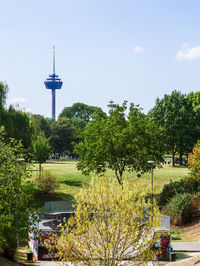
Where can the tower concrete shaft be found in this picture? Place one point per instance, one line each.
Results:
(53, 83)
(53, 104)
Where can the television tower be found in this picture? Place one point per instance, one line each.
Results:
(53, 83)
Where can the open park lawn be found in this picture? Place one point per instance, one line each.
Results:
(71, 180)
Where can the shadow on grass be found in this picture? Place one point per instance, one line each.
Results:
(181, 256)
(73, 183)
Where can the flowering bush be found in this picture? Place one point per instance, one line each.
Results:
(194, 162)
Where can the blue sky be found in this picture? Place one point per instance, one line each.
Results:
(135, 50)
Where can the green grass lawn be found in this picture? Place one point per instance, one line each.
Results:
(71, 180)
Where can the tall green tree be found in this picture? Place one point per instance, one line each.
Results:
(174, 114)
(62, 136)
(80, 111)
(79, 115)
(16, 191)
(194, 100)
(119, 142)
(3, 95)
(41, 124)
(41, 150)
(17, 125)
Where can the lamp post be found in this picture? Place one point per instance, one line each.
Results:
(151, 163)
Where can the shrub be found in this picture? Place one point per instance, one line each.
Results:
(186, 185)
(194, 161)
(47, 182)
(179, 208)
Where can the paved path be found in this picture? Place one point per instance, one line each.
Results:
(186, 246)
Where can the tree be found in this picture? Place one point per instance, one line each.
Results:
(194, 162)
(79, 114)
(194, 100)
(17, 125)
(16, 201)
(174, 114)
(111, 226)
(3, 94)
(119, 143)
(79, 111)
(62, 135)
(41, 150)
(41, 124)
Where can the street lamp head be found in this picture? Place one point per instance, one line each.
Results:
(150, 162)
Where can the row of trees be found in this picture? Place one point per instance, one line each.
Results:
(178, 115)
(175, 119)
(30, 127)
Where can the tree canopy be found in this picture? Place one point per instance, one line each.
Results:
(119, 142)
(79, 111)
(3, 95)
(79, 115)
(175, 115)
(62, 135)
(41, 124)
(17, 125)
(41, 150)
(16, 192)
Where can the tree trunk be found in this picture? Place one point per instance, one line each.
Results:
(173, 159)
(118, 178)
(40, 170)
(180, 159)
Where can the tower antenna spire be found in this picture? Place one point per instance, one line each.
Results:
(53, 83)
(53, 59)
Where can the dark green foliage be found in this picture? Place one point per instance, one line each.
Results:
(16, 196)
(175, 115)
(62, 135)
(17, 125)
(47, 183)
(186, 185)
(3, 94)
(41, 125)
(81, 112)
(179, 208)
(41, 149)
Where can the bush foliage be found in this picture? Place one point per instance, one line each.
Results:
(47, 183)
(179, 208)
(186, 185)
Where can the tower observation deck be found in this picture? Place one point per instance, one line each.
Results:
(53, 83)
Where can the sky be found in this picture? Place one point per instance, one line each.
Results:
(134, 50)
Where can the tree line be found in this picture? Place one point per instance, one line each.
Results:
(174, 120)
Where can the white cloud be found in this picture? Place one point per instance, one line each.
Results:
(17, 100)
(188, 53)
(138, 49)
